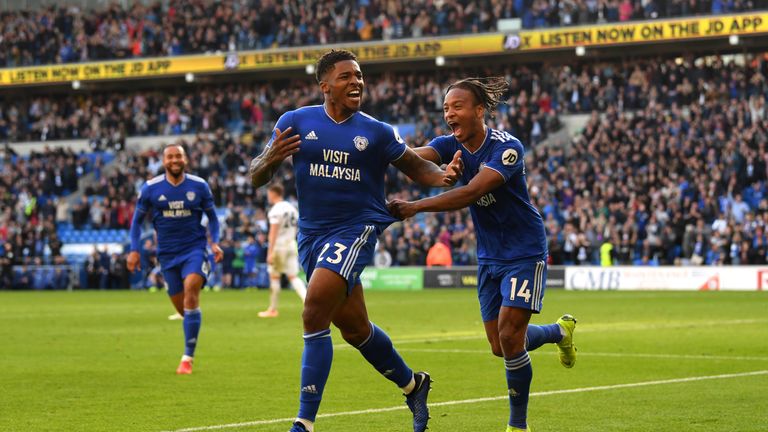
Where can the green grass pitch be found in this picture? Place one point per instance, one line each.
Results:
(648, 361)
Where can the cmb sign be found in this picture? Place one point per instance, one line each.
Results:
(690, 278)
(592, 278)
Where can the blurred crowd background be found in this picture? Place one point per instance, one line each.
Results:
(669, 169)
(64, 33)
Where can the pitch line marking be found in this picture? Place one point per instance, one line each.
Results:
(485, 399)
(596, 354)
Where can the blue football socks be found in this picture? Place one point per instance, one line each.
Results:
(537, 336)
(380, 353)
(192, 320)
(519, 376)
(315, 367)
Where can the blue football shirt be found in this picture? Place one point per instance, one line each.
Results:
(177, 212)
(509, 228)
(340, 167)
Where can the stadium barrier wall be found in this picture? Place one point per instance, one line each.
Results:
(693, 278)
(574, 278)
(466, 277)
(43, 277)
(393, 278)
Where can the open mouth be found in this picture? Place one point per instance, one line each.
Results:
(455, 127)
(355, 95)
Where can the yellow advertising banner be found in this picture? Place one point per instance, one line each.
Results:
(160, 66)
(425, 49)
(641, 32)
(248, 60)
(291, 58)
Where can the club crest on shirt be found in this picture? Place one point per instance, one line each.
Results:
(191, 196)
(361, 142)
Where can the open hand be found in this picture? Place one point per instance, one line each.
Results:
(454, 170)
(283, 145)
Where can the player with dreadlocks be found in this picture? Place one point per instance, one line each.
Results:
(512, 244)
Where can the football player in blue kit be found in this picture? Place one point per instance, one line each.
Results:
(340, 156)
(177, 202)
(511, 241)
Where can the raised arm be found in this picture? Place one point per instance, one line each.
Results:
(424, 171)
(484, 182)
(263, 166)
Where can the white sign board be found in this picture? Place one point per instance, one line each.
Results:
(737, 278)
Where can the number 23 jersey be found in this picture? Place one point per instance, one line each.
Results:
(340, 168)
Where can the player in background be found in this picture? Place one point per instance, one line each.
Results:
(177, 202)
(512, 246)
(340, 156)
(282, 255)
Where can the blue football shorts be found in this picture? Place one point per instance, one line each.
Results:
(345, 251)
(177, 267)
(519, 285)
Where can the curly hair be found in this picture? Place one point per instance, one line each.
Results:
(327, 61)
(488, 91)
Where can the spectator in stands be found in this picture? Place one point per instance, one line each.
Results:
(238, 265)
(118, 272)
(148, 262)
(6, 265)
(228, 248)
(382, 257)
(22, 278)
(439, 255)
(251, 253)
(81, 213)
(93, 269)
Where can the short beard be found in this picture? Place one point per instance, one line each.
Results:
(174, 175)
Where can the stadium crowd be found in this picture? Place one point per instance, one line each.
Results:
(32, 193)
(68, 33)
(673, 172)
(409, 97)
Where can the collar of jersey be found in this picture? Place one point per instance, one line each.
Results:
(329, 116)
(165, 177)
(487, 134)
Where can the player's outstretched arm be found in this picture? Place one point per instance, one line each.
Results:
(426, 173)
(264, 165)
(484, 182)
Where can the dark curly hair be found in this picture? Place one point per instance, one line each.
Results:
(487, 91)
(327, 61)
